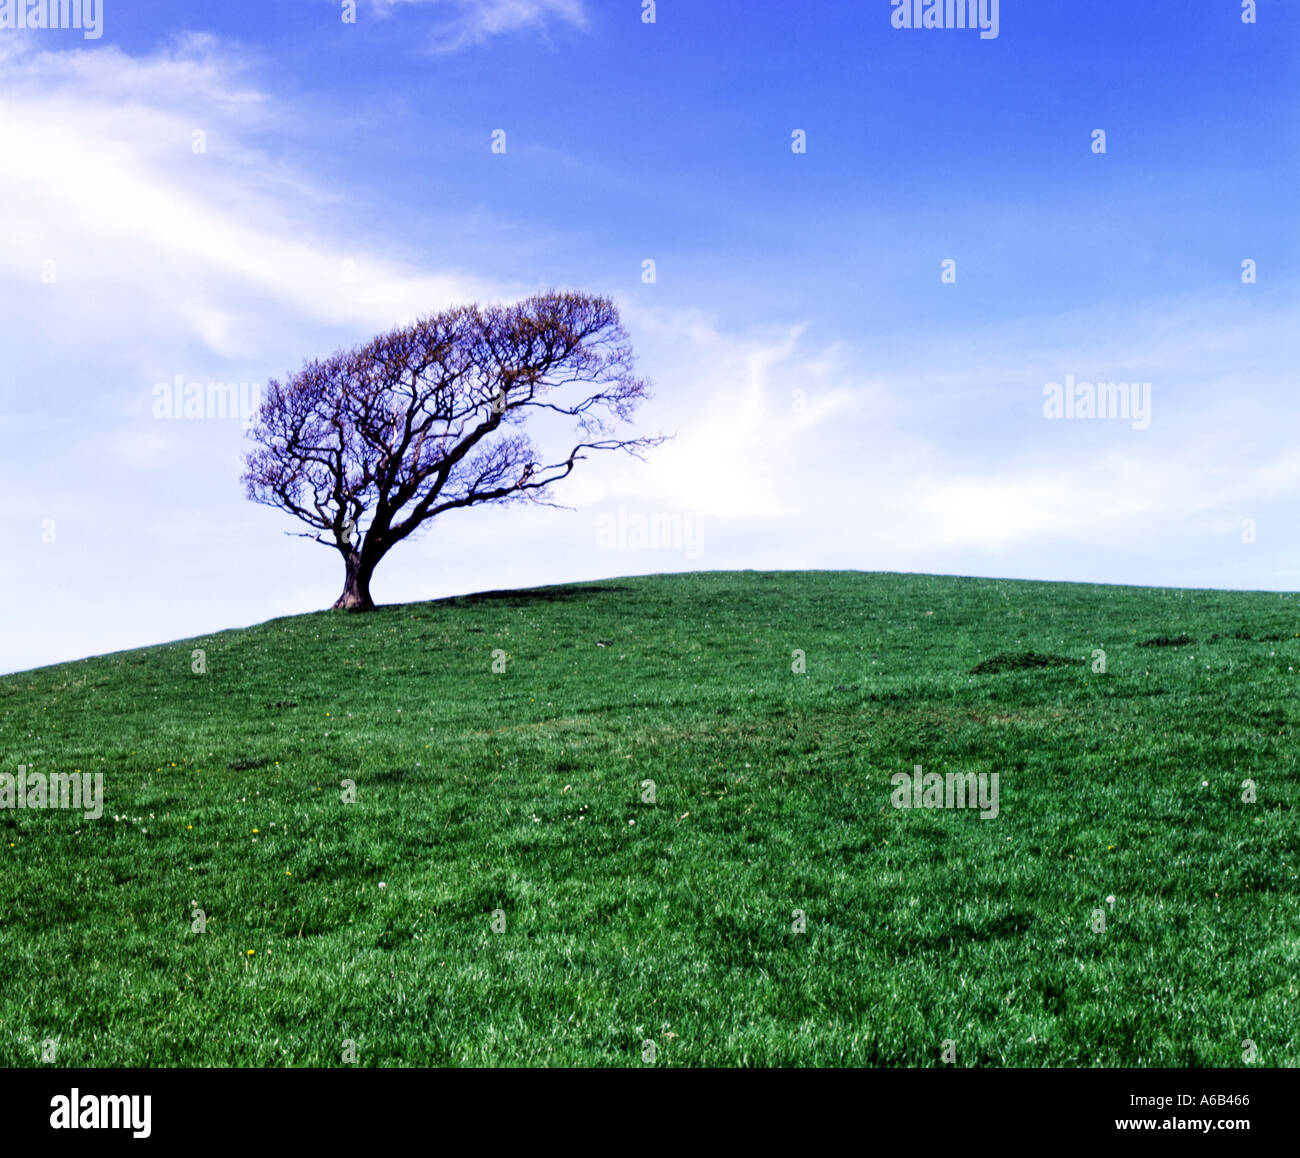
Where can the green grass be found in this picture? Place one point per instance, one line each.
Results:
(673, 921)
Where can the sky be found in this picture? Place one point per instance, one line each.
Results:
(874, 249)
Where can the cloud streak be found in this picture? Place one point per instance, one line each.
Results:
(127, 202)
(469, 23)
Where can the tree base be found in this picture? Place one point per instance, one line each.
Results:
(352, 602)
(356, 584)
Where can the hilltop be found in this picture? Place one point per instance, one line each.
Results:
(770, 907)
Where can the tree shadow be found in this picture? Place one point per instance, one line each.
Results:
(529, 596)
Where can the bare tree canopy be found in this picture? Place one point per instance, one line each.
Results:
(370, 444)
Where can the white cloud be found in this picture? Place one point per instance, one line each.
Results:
(474, 22)
(743, 409)
(140, 447)
(96, 147)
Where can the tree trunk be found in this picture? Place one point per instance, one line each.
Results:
(356, 583)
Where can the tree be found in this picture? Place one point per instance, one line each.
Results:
(370, 444)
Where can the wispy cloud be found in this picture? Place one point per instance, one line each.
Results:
(466, 23)
(100, 149)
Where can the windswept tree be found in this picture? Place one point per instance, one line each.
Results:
(368, 445)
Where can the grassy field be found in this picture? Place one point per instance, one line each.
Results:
(674, 921)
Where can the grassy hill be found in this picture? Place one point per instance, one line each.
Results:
(672, 922)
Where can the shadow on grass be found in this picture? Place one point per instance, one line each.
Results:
(526, 597)
(1020, 661)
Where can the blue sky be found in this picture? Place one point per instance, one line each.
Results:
(835, 403)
